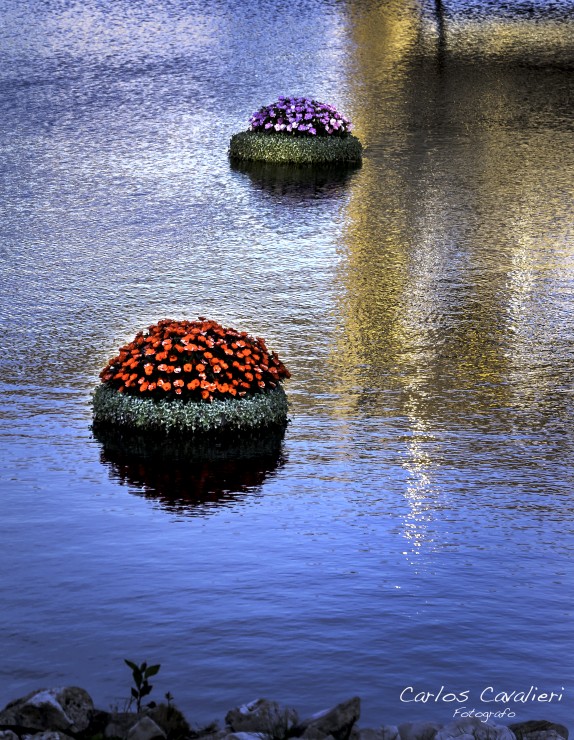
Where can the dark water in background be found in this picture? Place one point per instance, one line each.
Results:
(414, 527)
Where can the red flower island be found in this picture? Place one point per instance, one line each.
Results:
(192, 377)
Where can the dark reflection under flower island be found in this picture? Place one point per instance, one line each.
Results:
(191, 477)
(296, 182)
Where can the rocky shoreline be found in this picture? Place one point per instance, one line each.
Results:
(69, 714)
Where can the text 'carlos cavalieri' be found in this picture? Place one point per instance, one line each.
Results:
(488, 695)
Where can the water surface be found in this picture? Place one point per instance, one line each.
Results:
(414, 526)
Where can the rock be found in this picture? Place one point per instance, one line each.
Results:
(418, 730)
(539, 730)
(120, 724)
(246, 736)
(212, 734)
(262, 716)
(146, 729)
(67, 709)
(8, 735)
(337, 722)
(390, 732)
(475, 729)
(48, 735)
(387, 732)
(170, 720)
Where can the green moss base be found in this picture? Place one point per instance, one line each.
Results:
(253, 146)
(192, 418)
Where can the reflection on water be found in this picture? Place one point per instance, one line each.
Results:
(191, 477)
(298, 183)
(459, 263)
(418, 527)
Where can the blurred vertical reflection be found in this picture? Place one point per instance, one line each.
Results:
(457, 269)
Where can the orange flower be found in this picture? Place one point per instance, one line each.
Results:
(160, 346)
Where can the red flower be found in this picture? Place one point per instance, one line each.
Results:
(218, 362)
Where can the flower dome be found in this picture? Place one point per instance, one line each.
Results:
(300, 117)
(297, 130)
(192, 376)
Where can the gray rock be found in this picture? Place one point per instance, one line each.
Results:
(213, 735)
(47, 735)
(337, 721)
(68, 708)
(146, 729)
(120, 723)
(262, 716)
(419, 730)
(8, 735)
(388, 732)
(246, 736)
(539, 730)
(475, 729)
(544, 735)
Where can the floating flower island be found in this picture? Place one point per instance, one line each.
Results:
(297, 131)
(192, 378)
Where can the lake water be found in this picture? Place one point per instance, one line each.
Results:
(414, 528)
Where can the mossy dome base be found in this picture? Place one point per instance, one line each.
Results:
(252, 146)
(229, 417)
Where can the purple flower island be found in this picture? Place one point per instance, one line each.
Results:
(300, 117)
(297, 130)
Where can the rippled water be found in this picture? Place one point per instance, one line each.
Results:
(414, 526)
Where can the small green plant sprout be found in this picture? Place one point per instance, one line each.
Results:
(141, 674)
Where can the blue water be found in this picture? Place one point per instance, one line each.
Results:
(414, 526)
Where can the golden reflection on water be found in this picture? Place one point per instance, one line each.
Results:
(457, 256)
(457, 261)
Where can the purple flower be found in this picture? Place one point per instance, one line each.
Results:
(300, 116)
